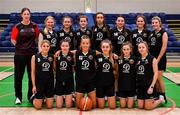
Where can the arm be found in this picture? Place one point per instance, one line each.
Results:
(14, 35)
(54, 64)
(164, 46)
(33, 70)
(40, 39)
(155, 70)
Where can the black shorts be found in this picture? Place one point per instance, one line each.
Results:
(162, 64)
(126, 94)
(84, 88)
(45, 89)
(64, 87)
(102, 91)
(142, 94)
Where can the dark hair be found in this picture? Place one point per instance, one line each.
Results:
(109, 42)
(64, 40)
(82, 16)
(144, 18)
(120, 16)
(24, 9)
(124, 44)
(103, 16)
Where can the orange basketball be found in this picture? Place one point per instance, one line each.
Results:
(85, 104)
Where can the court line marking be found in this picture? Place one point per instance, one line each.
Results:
(6, 69)
(171, 109)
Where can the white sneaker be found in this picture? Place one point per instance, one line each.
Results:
(161, 97)
(18, 101)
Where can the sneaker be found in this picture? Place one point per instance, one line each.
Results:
(17, 101)
(161, 97)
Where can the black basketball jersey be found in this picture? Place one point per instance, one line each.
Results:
(119, 37)
(139, 37)
(85, 66)
(44, 67)
(70, 36)
(155, 42)
(104, 74)
(127, 73)
(79, 34)
(144, 71)
(99, 34)
(52, 37)
(64, 67)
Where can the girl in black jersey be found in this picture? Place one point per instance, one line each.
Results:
(120, 34)
(64, 75)
(140, 34)
(100, 31)
(67, 32)
(42, 76)
(49, 34)
(147, 74)
(105, 77)
(83, 30)
(158, 44)
(127, 77)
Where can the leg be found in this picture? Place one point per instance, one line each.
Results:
(101, 103)
(49, 103)
(92, 96)
(68, 101)
(59, 101)
(112, 102)
(161, 84)
(28, 62)
(140, 103)
(37, 103)
(19, 71)
(79, 96)
(130, 102)
(122, 102)
(151, 104)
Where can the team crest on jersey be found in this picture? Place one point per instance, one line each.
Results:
(71, 34)
(80, 57)
(38, 59)
(85, 65)
(90, 57)
(144, 35)
(134, 35)
(99, 36)
(45, 66)
(153, 41)
(87, 32)
(106, 67)
(126, 68)
(68, 38)
(138, 40)
(125, 34)
(53, 42)
(50, 59)
(131, 61)
(100, 59)
(48, 36)
(158, 35)
(61, 34)
(141, 70)
(104, 29)
(146, 61)
(63, 65)
(68, 58)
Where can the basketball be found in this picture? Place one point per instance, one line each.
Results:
(85, 104)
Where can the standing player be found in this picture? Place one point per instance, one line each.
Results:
(49, 34)
(42, 76)
(140, 34)
(147, 74)
(100, 31)
(67, 32)
(23, 37)
(120, 34)
(127, 77)
(85, 71)
(158, 45)
(83, 30)
(64, 75)
(105, 76)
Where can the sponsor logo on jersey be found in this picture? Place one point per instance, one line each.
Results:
(53, 42)
(131, 61)
(71, 34)
(78, 33)
(153, 41)
(104, 29)
(134, 35)
(87, 32)
(138, 40)
(116, 34)
(99, 36)
(158, 35)
(69, 58)
(145, 35)
(121, 39)
(85, 65)
(100, 59)
(146, 61)
(140, 70)
(120, 61)
(68, 38)
(61, 34)
(45, 66)
(90, 57)
(48, 36)
(106, 67)
(63, 65)
(80, 57)
(50, 59)
(126, 68)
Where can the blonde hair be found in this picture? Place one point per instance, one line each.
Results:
(47, 18)
(145, 43)
(157, 18)
(45, 41)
